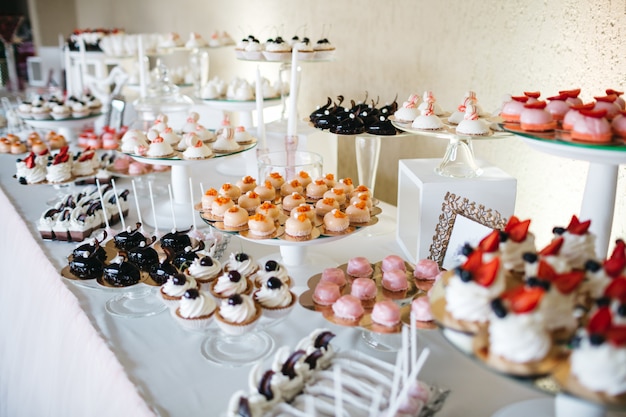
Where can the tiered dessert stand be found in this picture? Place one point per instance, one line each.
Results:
(66, 127)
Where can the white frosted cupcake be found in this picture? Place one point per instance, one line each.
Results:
(204, 270)
(275, 298)
(238, 314)
(195, 310)
(174, 288)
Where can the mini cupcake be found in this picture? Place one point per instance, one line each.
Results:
(275, 298)
(195, 310)
(230, 283)
(238, 314)
(173, 290)
(204, 269)
(272, 269)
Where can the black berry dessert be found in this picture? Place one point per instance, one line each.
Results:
(91, 248)
(177, 240)
(185, 257)
(121, 273)
(129, 238)
(383, 127)
(144, 255)
(160, 272)
(351, 125)
(319, 111)
(87, 260)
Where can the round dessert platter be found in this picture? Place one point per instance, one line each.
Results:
(550, 376)
(458, 160)
(180, 173)
(66, 127)
(600, 189)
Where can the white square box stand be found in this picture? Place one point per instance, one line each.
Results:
(421, 192)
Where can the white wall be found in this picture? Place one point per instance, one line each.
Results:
(399, 47)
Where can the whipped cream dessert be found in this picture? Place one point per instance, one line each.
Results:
(196, 304)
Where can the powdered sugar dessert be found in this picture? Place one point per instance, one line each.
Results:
(348, 307)
(195, 310)
(238, 314)
(386, 313)
(359, 267)
(408, 111)
(471, 123)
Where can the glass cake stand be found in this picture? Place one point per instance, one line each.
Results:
(66, 127)
(458, 160)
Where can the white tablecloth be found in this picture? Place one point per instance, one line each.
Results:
(62, 354)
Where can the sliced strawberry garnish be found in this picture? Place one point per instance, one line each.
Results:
(513, 220)
(30, 161)
(491, 242)
(86, 156)
(44, 152)
(588, 106)
(486, 274)
(616, 335)
(569, 281)
(576, 227)
(532, 94)
(521, 99)
(545, 271)
(609, 98)
(571, 93)
(536, 105)
(610, 91)
(596, 114)
(474, 260)
(519, 231)
(553, 247)
(614, 266)
(561, 97)
(523, 299)
(600, 322)
(616, 289)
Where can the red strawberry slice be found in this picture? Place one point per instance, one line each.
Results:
(536, 105)
(620, 249)
(474, 261)
(532, 94)
(600, 322)
(523, 299)
(545, 271)
(86, 156)
(609, 98)
(569, 281)
(43, 153)
(616, 289)
(561, 97)
(616, 335)
(491, 242)
(576, 227)
(610, 91)
(518, 232)
(30, 161)
(571, 93)
(615, 264)
(486, 274)
(553, 247)
(513, 220)
(521, 99)
(588, 106)
(595, 114)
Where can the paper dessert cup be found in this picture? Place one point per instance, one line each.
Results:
(278, 312)
(238, 329)
(195, 323)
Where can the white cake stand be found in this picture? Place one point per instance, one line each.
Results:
(180, 173)
(65, 127)
(599, 196)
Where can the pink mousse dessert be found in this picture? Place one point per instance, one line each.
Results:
(425, 273)
(386, 313)
(536, 118)
(363, 289)
(395, 280)
(619, 124)
(359, 267)
(392, 262)
(512, 109)
(334, 275)
(557, 106)
(420, 308)
(348, 307)
(326, 293)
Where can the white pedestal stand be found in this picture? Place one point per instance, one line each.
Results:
(599, 195)
(65, 127)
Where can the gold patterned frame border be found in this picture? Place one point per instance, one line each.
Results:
(453, 206)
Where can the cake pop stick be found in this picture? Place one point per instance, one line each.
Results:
(137, 203)
(413, 324)
(396, 375)
(119, 205)
(201, 189)
(193, 213)
(156, 226)
(104, 209)
(169, 189)
(395, 401)
(338, 391)
(405, 353)
(375, 404)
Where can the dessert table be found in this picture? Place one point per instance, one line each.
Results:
(62, 354)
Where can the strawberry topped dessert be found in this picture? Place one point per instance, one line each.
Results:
(578, 242)
(60, 168)
(514, 242)
(600, 274)
(512, 109)
(536, 118)
(572, 96)
(609, 104)
(557, 106)
(551, 254)
(593, 126)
